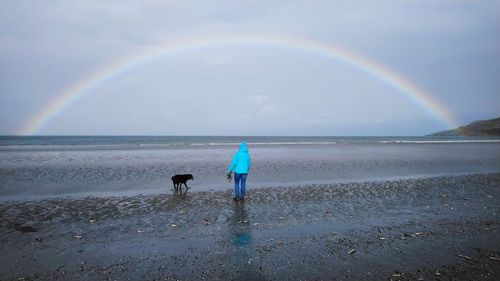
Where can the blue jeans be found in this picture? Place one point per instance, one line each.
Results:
(240, 193)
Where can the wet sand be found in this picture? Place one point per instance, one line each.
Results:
(437, 228)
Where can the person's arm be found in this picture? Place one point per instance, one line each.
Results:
(233, 163)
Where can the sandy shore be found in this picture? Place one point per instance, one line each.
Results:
(439, 228)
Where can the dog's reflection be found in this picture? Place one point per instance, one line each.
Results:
(179, 193)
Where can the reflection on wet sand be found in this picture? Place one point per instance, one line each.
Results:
(239, 226)
(242, 254)
(181, 194)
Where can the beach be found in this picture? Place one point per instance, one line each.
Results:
(431, 228)
(435, 218)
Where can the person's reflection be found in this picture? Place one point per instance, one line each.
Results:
(240, 227)
(241, 239)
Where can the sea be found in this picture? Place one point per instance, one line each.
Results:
(33, 167)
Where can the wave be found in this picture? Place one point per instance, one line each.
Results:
(440, 141)
(271, 143)
(133, 144)
(145, 146)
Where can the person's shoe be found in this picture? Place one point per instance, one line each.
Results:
(242, 199)
(236, 199)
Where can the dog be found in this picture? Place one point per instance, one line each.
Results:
(178, 180)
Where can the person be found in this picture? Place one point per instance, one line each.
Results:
(241, 166)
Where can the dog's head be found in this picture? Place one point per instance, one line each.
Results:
(190, 177)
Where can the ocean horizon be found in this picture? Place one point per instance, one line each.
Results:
(133, 140)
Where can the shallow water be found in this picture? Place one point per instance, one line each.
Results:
(75, 166)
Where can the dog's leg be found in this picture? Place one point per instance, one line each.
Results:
(176, 192)
(187, 187)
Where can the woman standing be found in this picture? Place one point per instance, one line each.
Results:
(240, 165)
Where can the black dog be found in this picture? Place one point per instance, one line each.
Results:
(178, 180)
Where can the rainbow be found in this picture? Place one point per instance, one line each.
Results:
(404, 87)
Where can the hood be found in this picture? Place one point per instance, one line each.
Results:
(243, 147)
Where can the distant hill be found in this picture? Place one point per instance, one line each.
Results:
(478, 128)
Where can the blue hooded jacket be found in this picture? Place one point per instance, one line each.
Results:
(241, 160)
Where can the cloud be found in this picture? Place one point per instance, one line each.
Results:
(263, 106)
(259, 99)
(219, 60)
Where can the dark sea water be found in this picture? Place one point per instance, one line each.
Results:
(32, 167)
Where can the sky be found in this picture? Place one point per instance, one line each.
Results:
(448, 49)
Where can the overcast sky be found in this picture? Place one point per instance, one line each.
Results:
(449, 48)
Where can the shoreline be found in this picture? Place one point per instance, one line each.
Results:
(168, 189)
(404, 229)
(107, 172)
